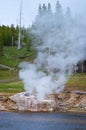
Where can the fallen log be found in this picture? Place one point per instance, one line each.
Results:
(6, 67)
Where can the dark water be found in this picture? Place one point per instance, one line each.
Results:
(42, 121)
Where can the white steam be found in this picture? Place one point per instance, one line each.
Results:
(61, 44)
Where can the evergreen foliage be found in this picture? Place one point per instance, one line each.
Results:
(49, 21)
(9, 36)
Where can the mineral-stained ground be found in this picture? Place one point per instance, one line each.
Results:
(74, 101)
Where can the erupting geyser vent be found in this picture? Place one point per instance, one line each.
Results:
(29, 102)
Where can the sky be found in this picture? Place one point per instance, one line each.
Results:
(9, 10)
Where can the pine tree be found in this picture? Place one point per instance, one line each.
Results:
(68, 18)
(44, 7)
(1, 41)
(68, 13)
(40, 9)
(12, 30)
(58, 7)
(59, 16)
(49, 10)
(49, 7)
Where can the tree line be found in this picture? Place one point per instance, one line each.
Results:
(9, 36)
(58, 25)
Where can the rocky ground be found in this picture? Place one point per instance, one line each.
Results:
(74, 101)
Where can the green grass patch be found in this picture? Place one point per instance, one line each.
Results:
(11, 56)
(12, 87)
(6, 74)
(77, 82)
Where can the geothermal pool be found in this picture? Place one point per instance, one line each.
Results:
(42, 121)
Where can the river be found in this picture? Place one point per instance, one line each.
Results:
(42, 121)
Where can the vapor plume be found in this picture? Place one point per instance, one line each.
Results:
(61, 44)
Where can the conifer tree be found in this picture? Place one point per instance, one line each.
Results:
(40, 9)
(1, 41)
(68, 13)
(49, 10)
(59, 16)
(68, 17)
(49, 7)
(58, 7)
(44, 7)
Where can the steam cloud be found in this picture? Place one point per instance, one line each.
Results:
(60, 43)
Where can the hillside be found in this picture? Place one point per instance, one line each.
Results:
(12, 56)
(9, 80)
(10, 84)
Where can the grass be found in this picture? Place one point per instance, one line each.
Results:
(77, 82)
(6, 74)
(11, 56)
(12, 87)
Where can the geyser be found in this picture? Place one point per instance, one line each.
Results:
(60, 43)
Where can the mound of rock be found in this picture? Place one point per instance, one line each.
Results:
(2, 107)
(61, 102)
(29, 102)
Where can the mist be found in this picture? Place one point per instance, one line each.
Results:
(60, 42)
